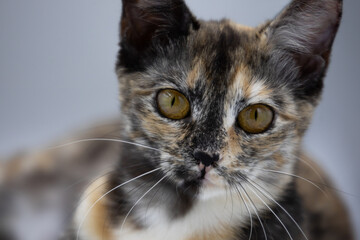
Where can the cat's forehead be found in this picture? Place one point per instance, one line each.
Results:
(220, 59)
(224, 28)
(227, 55)
(223, 42)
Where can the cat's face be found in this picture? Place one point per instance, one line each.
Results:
(214, 72)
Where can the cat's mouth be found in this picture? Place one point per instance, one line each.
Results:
(201, 178)
(200, 174)
(206, 178)
(200, 181)
(204, 170)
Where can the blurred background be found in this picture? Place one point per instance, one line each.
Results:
(57, 75)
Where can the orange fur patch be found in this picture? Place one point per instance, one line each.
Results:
(194, 74)
(95, 223)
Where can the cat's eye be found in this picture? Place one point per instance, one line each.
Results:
(173, 104)
(256, 118)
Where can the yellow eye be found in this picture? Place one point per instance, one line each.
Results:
(173, 104)
(256, 118)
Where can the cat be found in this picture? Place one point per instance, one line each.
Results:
(222, 109)
(213, 115)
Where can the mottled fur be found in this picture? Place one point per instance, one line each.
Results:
(221, 68)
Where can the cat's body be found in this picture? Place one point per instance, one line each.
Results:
(211, 175)
(219, 110)
(319, 213)
(323, 215)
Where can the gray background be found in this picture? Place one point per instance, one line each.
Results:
(57, 74)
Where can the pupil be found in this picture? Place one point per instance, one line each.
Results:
(256, 114)
(173, 101)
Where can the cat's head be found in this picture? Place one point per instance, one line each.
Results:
(222, 102)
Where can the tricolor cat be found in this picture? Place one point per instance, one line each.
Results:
(213, 115)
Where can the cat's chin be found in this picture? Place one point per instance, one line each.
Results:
(210, 191)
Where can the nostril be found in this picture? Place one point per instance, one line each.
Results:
(205, 158)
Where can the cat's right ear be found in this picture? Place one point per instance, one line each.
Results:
(145, 22)
(305, 30)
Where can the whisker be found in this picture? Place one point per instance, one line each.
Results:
(81, 199)
(148, 205)
(127, 215)
(328, 187)
(83, 179)
(323, 181)
(264, 192)
(111, 190)
(102, 139)
(139, 166)
(296, 176)
(133, 190)
(256, 211)
(277, 217)
(312, 168)
(248, 210)
(232, 201)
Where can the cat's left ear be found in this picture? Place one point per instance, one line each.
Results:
(145, 22)
(306, 30)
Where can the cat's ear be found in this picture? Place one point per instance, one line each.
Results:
(306, 30)
(307, 26)
(146, 21)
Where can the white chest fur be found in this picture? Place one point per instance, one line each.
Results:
(212, 217)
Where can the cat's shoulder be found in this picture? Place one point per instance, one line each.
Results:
(326, 215)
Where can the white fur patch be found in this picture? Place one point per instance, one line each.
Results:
(215, 211)
(236, 92)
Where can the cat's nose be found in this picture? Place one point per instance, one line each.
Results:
(205, 158)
